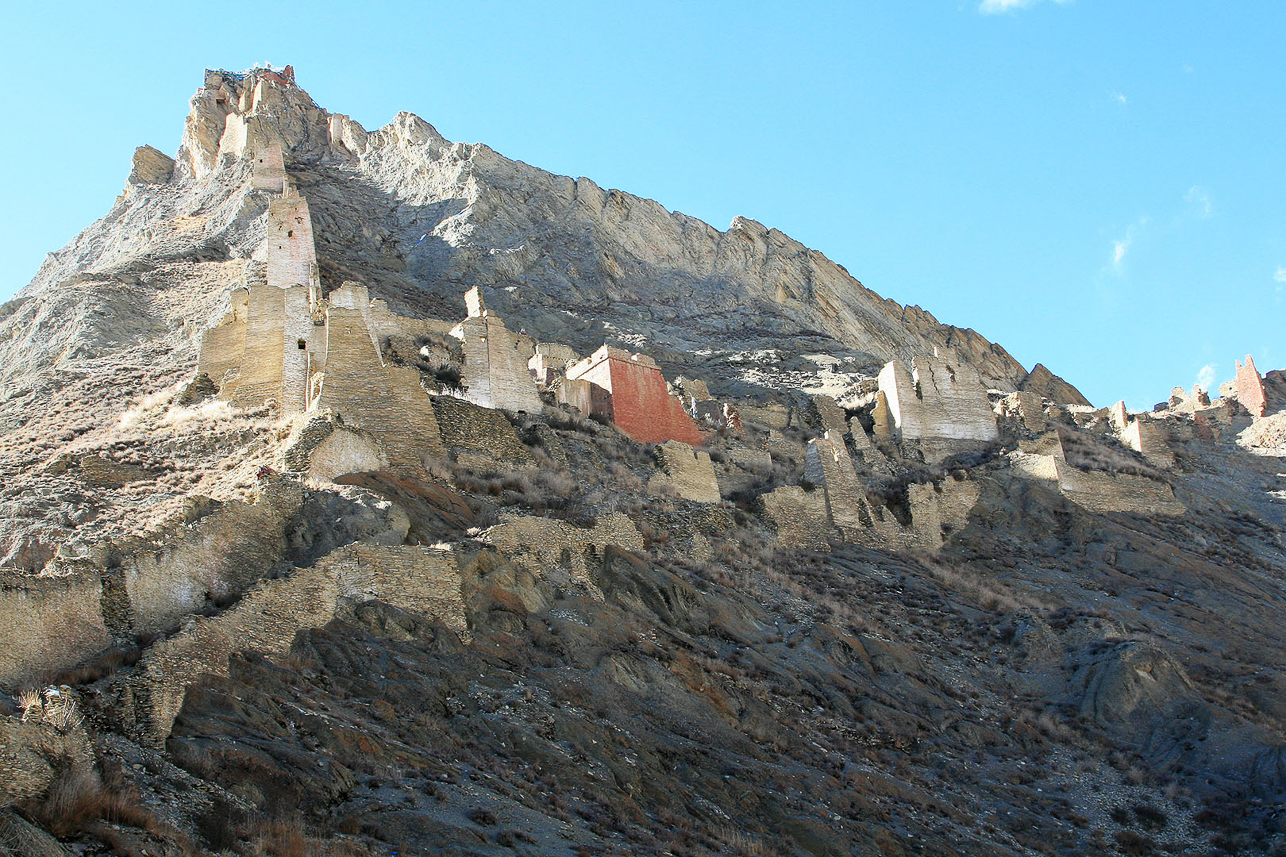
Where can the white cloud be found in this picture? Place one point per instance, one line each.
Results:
(1121, 246)
(1200, 198)
(1206, 376)
(1119, 98)
(995, 7)
(1119, 249)
(1280, 275)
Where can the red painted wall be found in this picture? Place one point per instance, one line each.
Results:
(643, 408)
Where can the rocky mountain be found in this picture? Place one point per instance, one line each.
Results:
(369, 493)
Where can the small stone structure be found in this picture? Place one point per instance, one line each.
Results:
(943, 407)
(630, 390)
(1146, 436)
(495, 372)
(1250, 388)
(473, 434)
(549, 363)
(687, 471)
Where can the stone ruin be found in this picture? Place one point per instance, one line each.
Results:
(943, 408)
(1250, 388)
(687, 472)
(630, 390)
(495, 372)
(1045, 459)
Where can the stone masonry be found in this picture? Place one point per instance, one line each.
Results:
(414, 578)
(944, 407)
(495, 372)
(1250, 388)
(631, 391)
(687, 471)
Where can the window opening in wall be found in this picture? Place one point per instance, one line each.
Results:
(290, 233)
(303, 345)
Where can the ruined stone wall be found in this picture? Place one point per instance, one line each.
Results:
(938, 402)
(640, 404)
(223, 347)
(291, 255)
(388, 402)
(687, 471)
(545, 545)
(411, 577)
(800, 516)
(266, 620)
(579, 393)
(1147, 437)
(218, 557)
(828, 464)
(468, 429)
(414, 578)
(1096, 490)
(1250, 388)
(1099, 491)
(47, 623)
(495, 372)
(268, 168)
(262, 359)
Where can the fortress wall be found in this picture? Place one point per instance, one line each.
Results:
(1146, 437)
(937, 402)
(828, 464)
(292, 258)
(689, 472)
(830, 416)
(1031, 409)
(387, 402)
(262, 361)
(218, 557)
(495, 365)
(414, 578)
(296, 349)
(223, 349)
(47, 623)
(470, 428)
(266, 620)
(579, 393)
(268, 168)
(1116, 492)
(955, 401)
(541, 545)
(800, 516)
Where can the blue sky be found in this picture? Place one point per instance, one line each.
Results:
(1095, 185)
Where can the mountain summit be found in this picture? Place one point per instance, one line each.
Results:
(363, 492)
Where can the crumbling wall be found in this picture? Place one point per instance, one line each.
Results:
(411, 577)
(828, 464)
(495, 372)
(182, 569)
(468, 429)
(801, 517)
(223, 346)
(47, 623)
(634, 396)
(1147, 437)
(938, 402)
(325, 450)
(388, 402)
(1250, 388)
(414, 578)
(545, 545)
(266, 620)
(687, 471)
(1097, 490)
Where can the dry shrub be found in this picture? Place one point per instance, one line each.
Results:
(990, 593)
